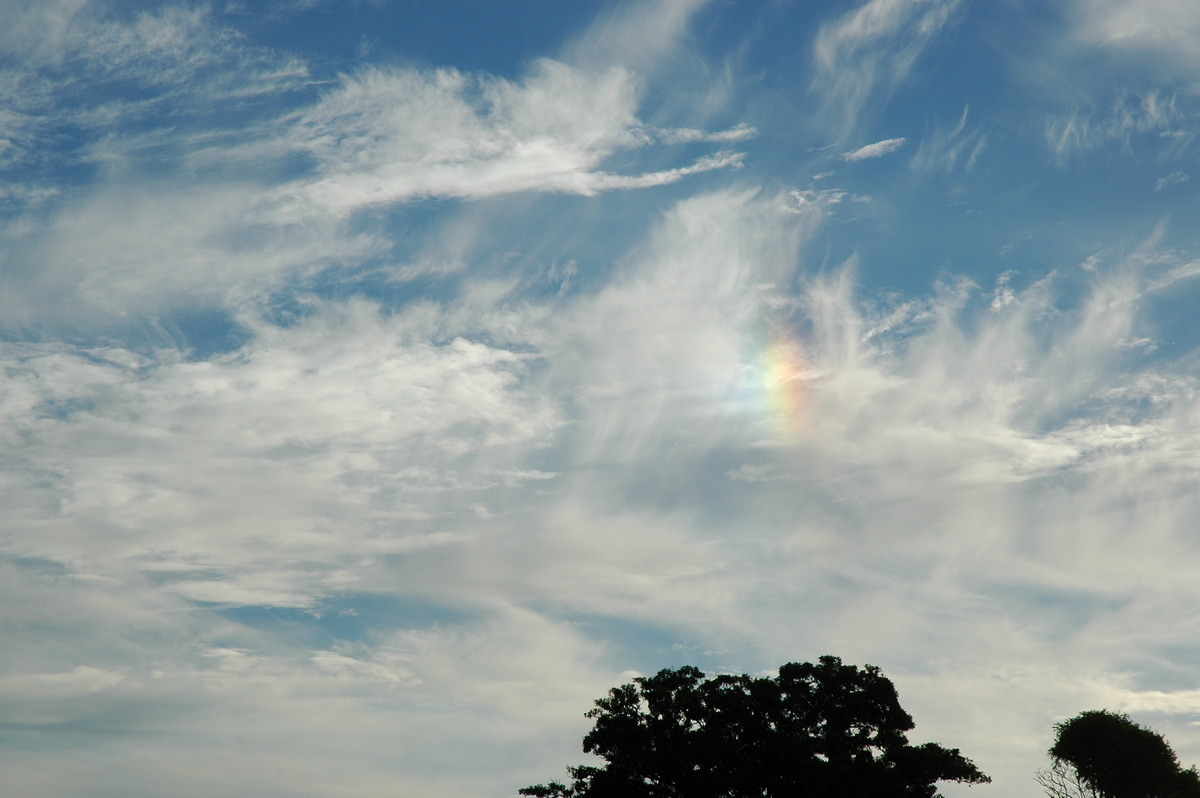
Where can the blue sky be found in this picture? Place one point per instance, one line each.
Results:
(384, 381)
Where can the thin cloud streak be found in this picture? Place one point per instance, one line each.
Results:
(876, 150)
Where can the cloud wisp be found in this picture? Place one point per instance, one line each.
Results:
(876, 150)
(1150, 116)
(947, 150)
(867, 53)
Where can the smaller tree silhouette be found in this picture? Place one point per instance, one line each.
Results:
(816, 729)
(1060, 780)
(1106, 755)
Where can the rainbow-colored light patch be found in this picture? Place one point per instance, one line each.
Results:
(785, 376)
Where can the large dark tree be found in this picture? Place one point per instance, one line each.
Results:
(823, 729)
(1113, 757)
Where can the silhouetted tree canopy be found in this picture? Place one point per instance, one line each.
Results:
(823, 729)
(1116, 758)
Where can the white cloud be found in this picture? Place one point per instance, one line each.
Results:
(391, 136)
(130, 254)
(1120, 76)
(865, 54)
(1173, 178)
(135, 246)
(128, 95)
(72, 58)
(1166, 27)
(814, 201)
(83, 680)
(38, 29)
(739, 132)
(322, 417)
(876, 150)
(680, 316)
(336, 710)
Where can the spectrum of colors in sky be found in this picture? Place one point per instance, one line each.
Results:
(385, 380)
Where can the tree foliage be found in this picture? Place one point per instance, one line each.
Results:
(1114, 757)
(816, 729)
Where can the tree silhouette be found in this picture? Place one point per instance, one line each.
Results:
(1113, 757)
(1060, 780)
(816, 729)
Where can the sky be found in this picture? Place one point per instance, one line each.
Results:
(385, 380)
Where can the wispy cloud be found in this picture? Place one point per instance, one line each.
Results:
(814, 200)
(1169, 28)
(176, 50)
(95, 81)
(1128, 117)
(1174, 178)
(377, 138)
(876, 150)
(1115, 78)
(639, 35)
(391, 136)
(739, 132)
(865, 54)
(947, 150)
(154, 249)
